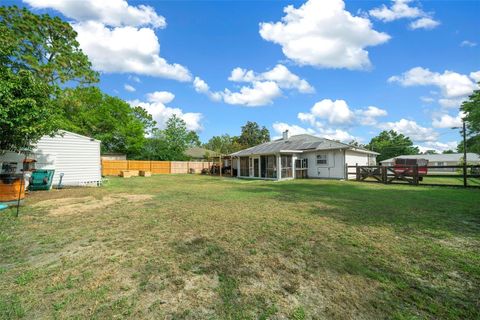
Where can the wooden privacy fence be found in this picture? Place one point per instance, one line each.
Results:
(469, 174)
(114, 167)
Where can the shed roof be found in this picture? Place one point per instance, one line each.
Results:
(298, 143)
(65, 132)
(448, 157)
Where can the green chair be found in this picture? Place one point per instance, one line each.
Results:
(41, 180)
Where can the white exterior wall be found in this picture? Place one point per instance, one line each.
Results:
(353, 157)
(334, 169)
(76, 156)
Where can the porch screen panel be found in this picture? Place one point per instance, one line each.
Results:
(271, 165)
(287, 166)
(244, 171)
(263, 166)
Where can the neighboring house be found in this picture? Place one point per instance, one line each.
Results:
(113, 156)
(300, 156)
(449, 159)
(199, 154)
(74, 155)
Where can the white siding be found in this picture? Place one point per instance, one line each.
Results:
(334, 169)
(352, 158)
(77, 157)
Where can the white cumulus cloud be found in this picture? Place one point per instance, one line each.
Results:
(328, 133)
(368, 116)
(279, 74)
(475, 76)
(118, 37)
(438, 146)
(202, 87)
(259, 94)
(467, 43)
(261, 90)
(448, 121)
(156, 106)
(280, 127)
(323, 34)
(400, 9)
(339, 113)
(110, 12)
(335, 112)
(424, 23)
(411, 129)
(129, 88)
(126, 50)
(454, 87)
(163, 97)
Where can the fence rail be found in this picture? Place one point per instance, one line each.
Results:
(468, 176)
(115, 167)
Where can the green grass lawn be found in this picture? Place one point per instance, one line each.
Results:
(197, 247)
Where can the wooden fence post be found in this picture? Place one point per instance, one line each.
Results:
(346, 171)
(357, 170)
(220, 166)
(415, 174)
(383, 171)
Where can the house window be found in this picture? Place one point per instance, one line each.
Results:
(301, 164)
(322, 159)
(441, 164)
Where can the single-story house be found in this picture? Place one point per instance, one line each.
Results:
(448, 159)
(75, 156)
(199, 154)
(300, 156)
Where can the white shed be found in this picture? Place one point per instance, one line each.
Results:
(74, 155)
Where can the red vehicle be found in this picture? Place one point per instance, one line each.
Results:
(406, 166)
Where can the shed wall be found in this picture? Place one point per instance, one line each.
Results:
(77, 157)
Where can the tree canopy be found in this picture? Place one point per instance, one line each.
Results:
(37, 54)
(252, 135)
(26, 113)
(224, 144)
(391, 144)
(44, 45)
(170, 143)
(471, 108)
(88, 111)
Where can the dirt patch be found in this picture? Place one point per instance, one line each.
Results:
(71, 206)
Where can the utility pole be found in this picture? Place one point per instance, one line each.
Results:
(464, 154)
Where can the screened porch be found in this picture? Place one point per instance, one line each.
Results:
(275, 167)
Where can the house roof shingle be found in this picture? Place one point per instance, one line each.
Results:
(297, 143)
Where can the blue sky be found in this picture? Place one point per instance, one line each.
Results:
(343, 70)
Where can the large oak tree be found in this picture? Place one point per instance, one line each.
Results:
(391, 144)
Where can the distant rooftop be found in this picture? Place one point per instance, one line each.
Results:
(447, 157)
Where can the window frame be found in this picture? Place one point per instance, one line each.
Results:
(326, 159)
